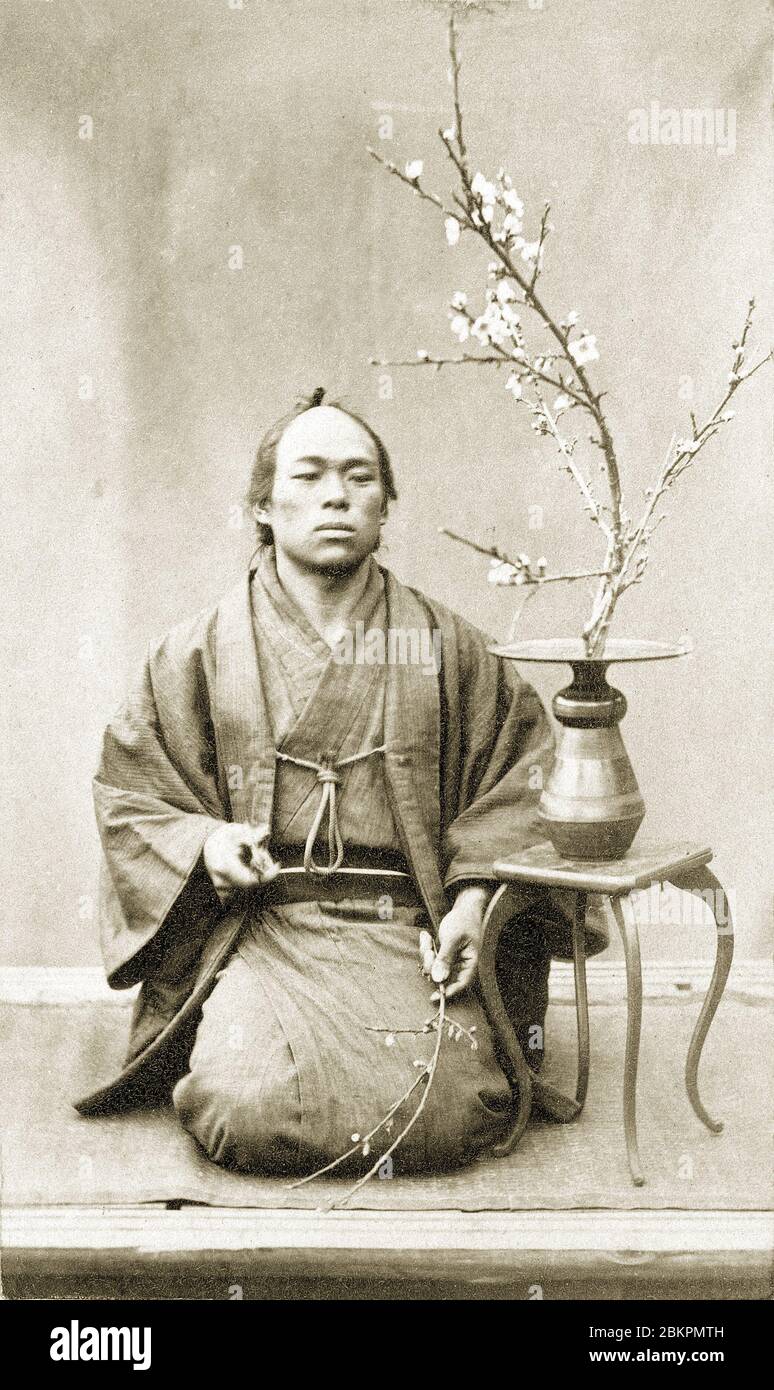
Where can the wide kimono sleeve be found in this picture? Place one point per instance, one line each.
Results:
(157, 799)
(501, 757)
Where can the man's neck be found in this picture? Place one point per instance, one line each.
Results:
(326, 598)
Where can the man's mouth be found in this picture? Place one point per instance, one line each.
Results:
(336, 529)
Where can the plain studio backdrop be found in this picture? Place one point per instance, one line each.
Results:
(193, 233)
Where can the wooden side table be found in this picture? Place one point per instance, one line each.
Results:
(531, 872)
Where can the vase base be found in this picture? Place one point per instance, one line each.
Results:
(602, 840)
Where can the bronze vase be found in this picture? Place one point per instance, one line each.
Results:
(591, 806)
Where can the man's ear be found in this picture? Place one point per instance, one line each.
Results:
(260, 514)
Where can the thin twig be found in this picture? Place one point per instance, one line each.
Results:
(362, 1139)
(542, 234)
(501, 358)
(531, 591)
(430, 1023)
(455, 71)
(592, 505)
(684, 457)
(413, 184)
(496, 554)
(429, 1073)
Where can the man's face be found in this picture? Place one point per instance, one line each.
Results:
(327, 498)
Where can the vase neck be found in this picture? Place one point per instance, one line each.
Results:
(588, 702)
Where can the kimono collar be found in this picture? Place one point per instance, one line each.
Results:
(263, 571)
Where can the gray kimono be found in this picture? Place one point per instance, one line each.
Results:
(269, 1026)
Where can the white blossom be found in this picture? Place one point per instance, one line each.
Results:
(584, 349)
(529, 251)
(513, 384)
(500, 572)
(485, 190)
(459, 299)
(449, 134)
(572, 318)
(561, 402)
(728, 415)
(460, 327)
(452, 227)
(505, 292)
(480, 331)
(511, 225)
(497, 328)
(414, 169)
(423, 354)
(513, 202)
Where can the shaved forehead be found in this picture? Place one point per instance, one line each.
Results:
(325, 432)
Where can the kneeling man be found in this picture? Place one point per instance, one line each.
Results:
(299, 806)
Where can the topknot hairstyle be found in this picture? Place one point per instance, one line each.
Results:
(262, 476)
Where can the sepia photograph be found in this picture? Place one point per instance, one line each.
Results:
(386, 444)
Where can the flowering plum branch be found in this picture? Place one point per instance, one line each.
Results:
(362, 1143)
(493, 212)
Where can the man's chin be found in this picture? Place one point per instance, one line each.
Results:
(330, 556)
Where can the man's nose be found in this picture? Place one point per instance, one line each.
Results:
(334, 491)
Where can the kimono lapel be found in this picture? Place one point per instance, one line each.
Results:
(336, 719)
(412, 734)
(243, 730)
(326, 724)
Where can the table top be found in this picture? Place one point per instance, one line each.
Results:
(647, 862)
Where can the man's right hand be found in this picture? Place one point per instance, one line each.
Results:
(235, 856)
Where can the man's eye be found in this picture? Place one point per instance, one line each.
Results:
(308, 477)
(362, 477)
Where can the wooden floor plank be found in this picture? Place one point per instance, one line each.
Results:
(228, 1228)
(718, 1250)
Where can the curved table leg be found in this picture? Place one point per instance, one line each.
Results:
(506, 903)
(703, 882)
(626, 921)
(581, 997)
